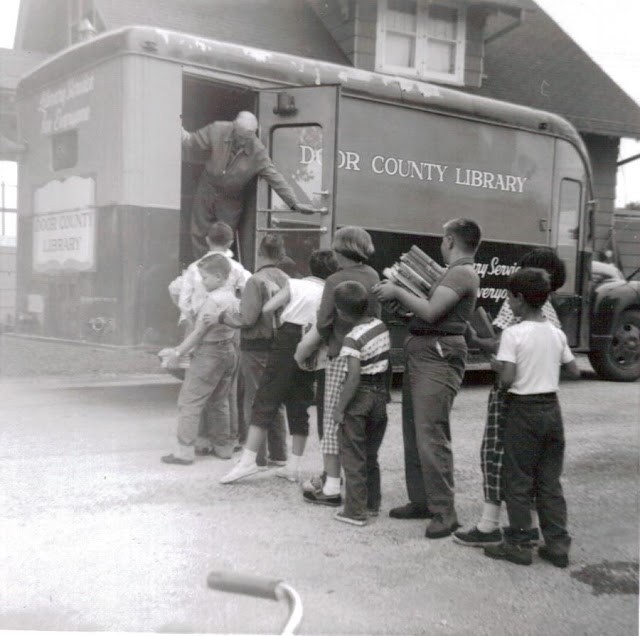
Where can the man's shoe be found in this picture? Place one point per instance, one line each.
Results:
(476, 538)
(318, 497)
(172, 459)
(441, 526)
(534, 538)
(340, 516)
(411, 511)
(513, 552)
(240, 471)
(559, 559)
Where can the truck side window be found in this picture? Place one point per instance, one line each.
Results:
(297, 153)
(569, 231)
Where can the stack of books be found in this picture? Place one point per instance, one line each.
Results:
(416, 271)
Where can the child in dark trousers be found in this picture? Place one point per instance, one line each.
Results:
(361, 411)
(529, 359)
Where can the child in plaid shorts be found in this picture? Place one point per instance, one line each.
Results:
(353, 247)
(487, 530)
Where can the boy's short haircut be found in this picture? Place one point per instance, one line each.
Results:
(220, 233)
(354, 243)
(466, 230)
(289, 267)
(532, 283)
(215, 264)
(547, 259)
(351, 297)
(272, 247)
(322, 263)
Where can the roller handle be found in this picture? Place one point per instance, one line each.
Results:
(248, 584)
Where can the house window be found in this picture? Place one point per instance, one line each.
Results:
(421, 38)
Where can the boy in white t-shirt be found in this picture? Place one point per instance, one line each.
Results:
(529, 359)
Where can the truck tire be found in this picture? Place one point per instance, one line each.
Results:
(620, 359)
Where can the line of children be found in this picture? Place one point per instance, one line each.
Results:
(529, 358)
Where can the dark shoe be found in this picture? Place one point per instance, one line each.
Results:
(513, 552)
(410, 511)
(534, 536)
(318, 497)
(172, 459)
(441, 526)
(559, 559)
(476, 538)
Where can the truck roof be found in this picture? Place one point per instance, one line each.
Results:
(280, 69)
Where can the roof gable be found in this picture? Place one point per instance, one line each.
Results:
(539, 65)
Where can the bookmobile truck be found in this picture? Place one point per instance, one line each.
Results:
(105, 191)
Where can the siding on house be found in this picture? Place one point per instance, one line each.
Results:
(474, 48)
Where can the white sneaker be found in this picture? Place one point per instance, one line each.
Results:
(286, 473)
(240, 471)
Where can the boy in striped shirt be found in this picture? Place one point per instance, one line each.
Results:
(361, 411)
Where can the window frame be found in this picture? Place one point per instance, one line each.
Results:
(565, 196)
(422, 38)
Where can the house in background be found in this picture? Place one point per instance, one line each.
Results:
(505, 49)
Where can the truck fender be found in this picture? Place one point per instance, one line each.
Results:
(609, 301)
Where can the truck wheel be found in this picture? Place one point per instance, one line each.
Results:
(620, 359)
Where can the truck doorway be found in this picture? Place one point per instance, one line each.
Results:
(205, 101)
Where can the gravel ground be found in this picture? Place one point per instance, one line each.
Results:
(23, 357)
(98, 535)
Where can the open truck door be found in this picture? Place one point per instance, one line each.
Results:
(299, 128)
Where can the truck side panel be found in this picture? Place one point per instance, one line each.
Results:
(407, 170)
